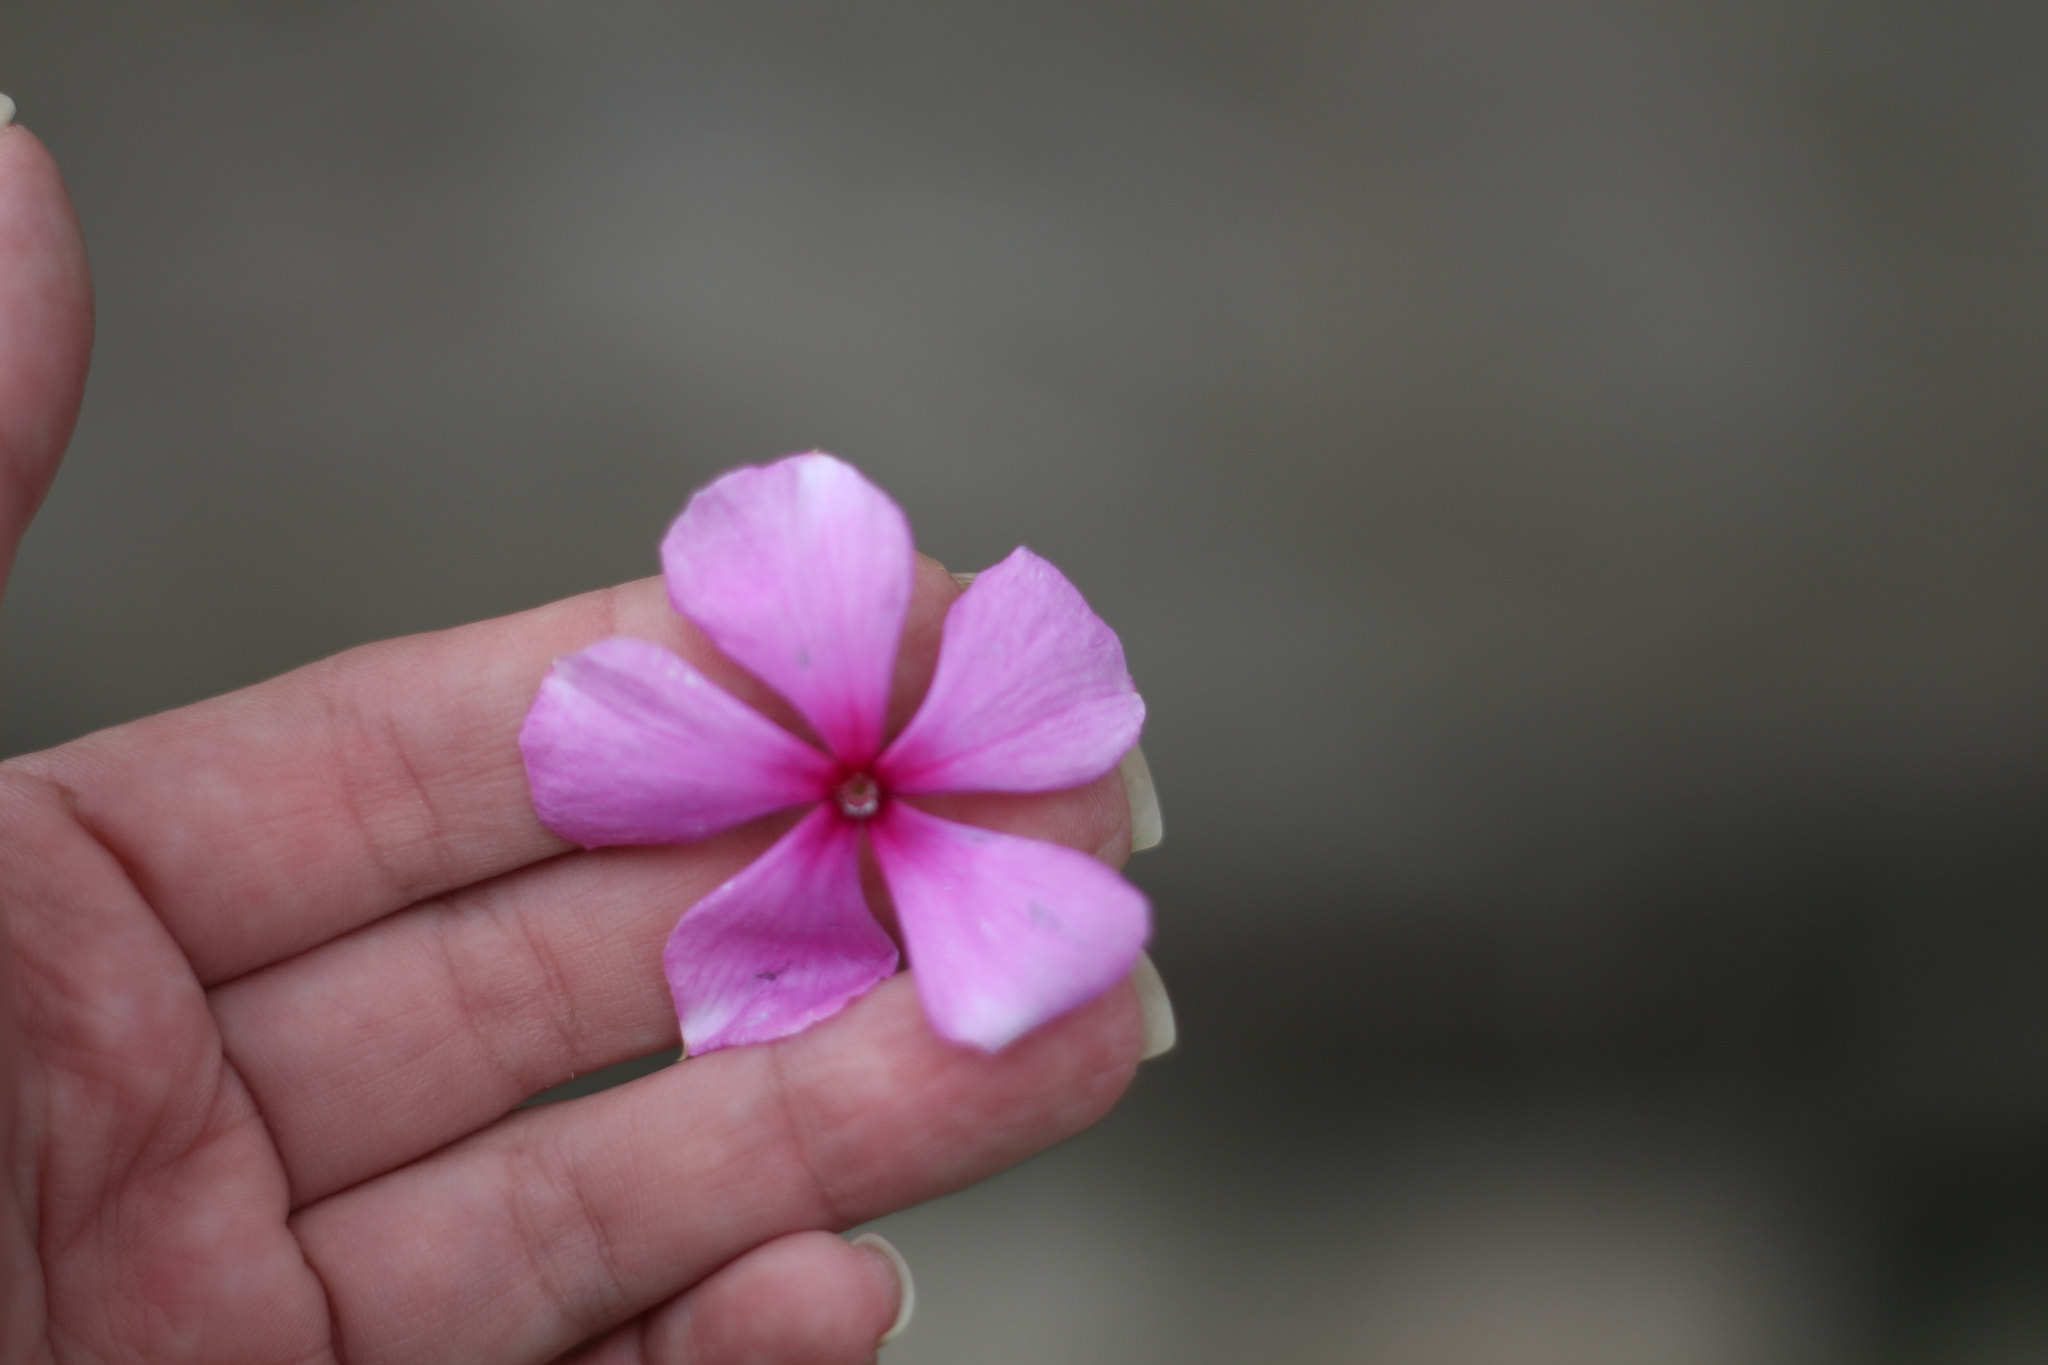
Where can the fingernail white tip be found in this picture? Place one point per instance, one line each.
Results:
(1161, 1032)
(965, 580)
(1148, 826)
(906, 1306)
(6, 111)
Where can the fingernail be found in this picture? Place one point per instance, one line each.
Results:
(1161, 1033)
(6, 111)
(906, 1303)
(1147, 825)
(965, 580)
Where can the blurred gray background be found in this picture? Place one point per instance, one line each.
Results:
(1569, 477)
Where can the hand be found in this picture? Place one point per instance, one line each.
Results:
(279, 969)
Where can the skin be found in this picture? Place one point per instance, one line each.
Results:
(278, 969)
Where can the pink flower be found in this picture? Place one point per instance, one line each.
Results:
(801, 571)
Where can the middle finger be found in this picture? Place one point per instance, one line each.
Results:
(403, 1036)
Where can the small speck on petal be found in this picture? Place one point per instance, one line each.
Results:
(787, 942)
(801, 571)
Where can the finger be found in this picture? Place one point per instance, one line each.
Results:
(45, 329)
(267, 821)
(562, 1222)
(395, 1040)
(805, 1299)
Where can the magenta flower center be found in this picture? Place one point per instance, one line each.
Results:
(859, 796)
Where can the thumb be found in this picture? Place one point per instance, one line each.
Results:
(45, 327)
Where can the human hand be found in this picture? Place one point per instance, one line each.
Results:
(279, 969)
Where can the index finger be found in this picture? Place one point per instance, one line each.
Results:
(270, 820)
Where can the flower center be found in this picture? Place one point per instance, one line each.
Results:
(859, 797)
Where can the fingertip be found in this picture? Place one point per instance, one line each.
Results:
(898, 1115)
(1141, 796)
(46, 325)
(887, 1261)
(807, 1296)
(40, 242)
(1162, 1032)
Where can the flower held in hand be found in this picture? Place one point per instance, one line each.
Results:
(801, 572)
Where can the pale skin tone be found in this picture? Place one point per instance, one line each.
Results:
(279, 969)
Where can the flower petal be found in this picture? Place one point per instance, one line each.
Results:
(1003, 933)
(628, 744)
(1031, 692)
(787, 942)
(801, 572)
